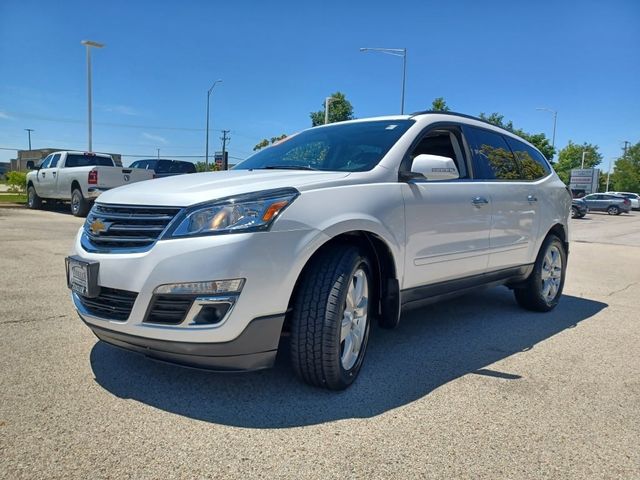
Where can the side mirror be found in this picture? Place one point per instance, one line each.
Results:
(434, 167)
(31, 165)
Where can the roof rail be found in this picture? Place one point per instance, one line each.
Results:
(456, 114)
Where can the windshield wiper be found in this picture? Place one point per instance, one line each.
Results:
(288, 167)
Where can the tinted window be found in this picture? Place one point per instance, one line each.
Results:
(54, 160)
(349, 147)
(163, 166)
(532, 164)
(80, 160)
(183, 167)
(45, 163)
(493, 156)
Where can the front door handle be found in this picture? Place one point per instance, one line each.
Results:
(532, 198)
(43, 174)
(479, 201)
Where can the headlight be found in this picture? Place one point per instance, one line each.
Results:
(243, 213)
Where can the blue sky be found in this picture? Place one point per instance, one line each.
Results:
(278, 60)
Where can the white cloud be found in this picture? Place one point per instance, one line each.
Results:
(4, 115)
(122, 109)
(155, 138)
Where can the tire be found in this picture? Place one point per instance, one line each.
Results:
(33, 200)
(574, 212)
(79, 205)
(582, 215)
(325, 321)
(531, 295)
(613, 210)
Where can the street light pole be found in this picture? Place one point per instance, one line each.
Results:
(206, 155)
(396, 52)
(327, 102)
(608, 175)
(29, 130)
(89, 44)
(555, 119)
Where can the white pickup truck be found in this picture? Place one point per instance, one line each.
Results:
(78, 177)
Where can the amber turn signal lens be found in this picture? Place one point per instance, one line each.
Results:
(273, 210)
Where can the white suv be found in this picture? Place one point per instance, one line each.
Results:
(312, 239)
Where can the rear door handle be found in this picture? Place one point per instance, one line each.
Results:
(479, 201)
(532, 198)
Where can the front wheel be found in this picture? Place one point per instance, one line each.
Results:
(33, 200)
(613, 210)
(330, 318)
(79, 205)
(542, 290)
(574, 212)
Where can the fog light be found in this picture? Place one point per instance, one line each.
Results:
(211, 314)
(201, 288)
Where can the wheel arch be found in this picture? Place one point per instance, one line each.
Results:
(560, 231)
(385, 267)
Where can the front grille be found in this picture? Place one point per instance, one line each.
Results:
(114, 227)
(111, 304)
(168, 309)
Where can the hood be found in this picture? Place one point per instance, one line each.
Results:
(185, 190)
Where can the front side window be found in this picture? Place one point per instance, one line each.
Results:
(494, 158)
(444, 142)
(532, 163)
(346, 147)
(46, 162)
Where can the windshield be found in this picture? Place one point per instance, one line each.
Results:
(79, 160)
(346, 147)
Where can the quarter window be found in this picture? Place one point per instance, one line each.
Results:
(493, 156)
(532, 163)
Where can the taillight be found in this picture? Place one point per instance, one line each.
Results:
(627, 201)
(93, 177)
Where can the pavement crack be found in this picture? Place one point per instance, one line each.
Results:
(622, 289)
(29, 320)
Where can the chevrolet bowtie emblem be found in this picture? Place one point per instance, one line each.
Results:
(98, 226)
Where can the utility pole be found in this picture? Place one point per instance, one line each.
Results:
(158, 152)
(224, 138)
(626, 145)
(29, 130)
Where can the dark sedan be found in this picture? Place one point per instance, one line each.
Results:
(579, 208)
(165, 168)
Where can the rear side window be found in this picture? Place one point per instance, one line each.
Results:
(163, 166)
(532, 164)
(183, 167)
(79, 160)
(54, 161)
(494, 159)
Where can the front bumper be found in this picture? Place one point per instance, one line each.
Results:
(254, 349)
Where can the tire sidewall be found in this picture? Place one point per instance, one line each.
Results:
(360, 262)
(31, 197)
(613, 211)
(574, 212)
(537, 271)
(76, 212)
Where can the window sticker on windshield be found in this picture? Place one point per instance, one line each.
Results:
(390, 127)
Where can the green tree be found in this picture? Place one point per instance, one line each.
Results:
(202, 166)
(538, 140)
(439, 105)
(626, 172)
(570, 157)
(340, 109)
(265, 143)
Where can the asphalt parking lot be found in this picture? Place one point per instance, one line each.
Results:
(471, 388)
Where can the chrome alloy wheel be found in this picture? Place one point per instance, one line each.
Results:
(354, 319)
(551, 273)
(75, 202)
(31, 197)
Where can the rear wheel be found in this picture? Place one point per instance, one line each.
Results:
(613, 210)
(542, 290)
(79, 205)
(33, 200)
(331, 318)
